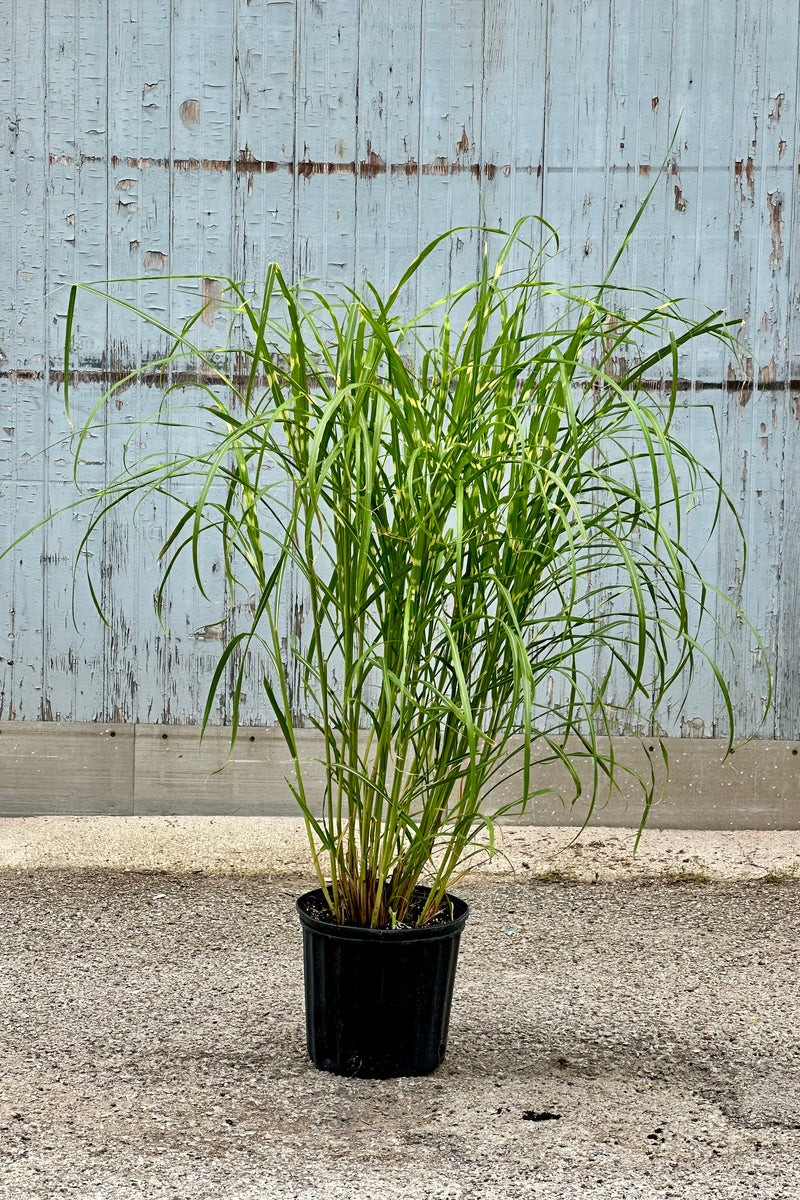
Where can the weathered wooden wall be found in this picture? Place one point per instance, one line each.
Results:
(142, 138)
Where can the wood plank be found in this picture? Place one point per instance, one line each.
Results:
(765, 73)
(778, 153)
(701, 94)
(77, 161)
(22, 320)
(264, 139)
(787, 680)
(24, 347)
(152, 769)
(72, 687)
(450, 100)
(176, 772)
(753, 435)
(756, 788)
(201, 210)
(577, 159)
(325, 141)
(326, 149)
(21, 573)
(139, 189)
(77, 249)
(574, 180)
(136, 652)
(699, 91)
(388, 146)
(786, 713)
(75, 768)
(513, 105)
(264, 204)
(201, 138)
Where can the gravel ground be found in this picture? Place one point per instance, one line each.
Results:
(276, 846)
(153, 1040)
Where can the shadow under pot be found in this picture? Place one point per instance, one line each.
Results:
(378, 1000)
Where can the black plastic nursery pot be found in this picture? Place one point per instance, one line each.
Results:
(378, 1000)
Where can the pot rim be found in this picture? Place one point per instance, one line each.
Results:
(360, 933)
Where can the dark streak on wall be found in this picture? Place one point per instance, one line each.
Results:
(369, 168)
(119, 372)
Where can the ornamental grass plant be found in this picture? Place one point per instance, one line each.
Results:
(478, 510)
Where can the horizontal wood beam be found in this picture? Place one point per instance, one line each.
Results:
(74, 769)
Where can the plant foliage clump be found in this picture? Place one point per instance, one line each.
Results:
(486, 522)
